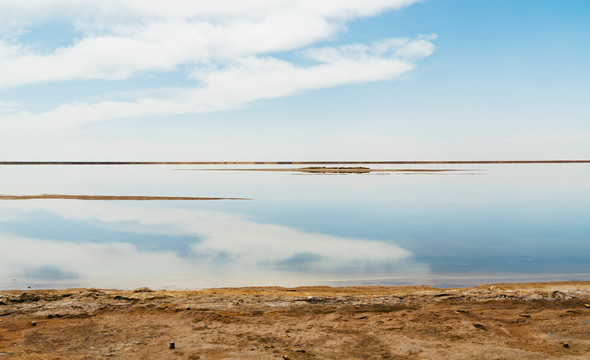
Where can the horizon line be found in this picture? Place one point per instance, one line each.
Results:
(331, 162)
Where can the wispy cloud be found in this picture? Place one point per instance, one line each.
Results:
(180, 57)
(8, 106)
(118, 40)
(232, 83)
(95, 12)
(223, 48)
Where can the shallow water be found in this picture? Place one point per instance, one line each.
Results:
(486, 223)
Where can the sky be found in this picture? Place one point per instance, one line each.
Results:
(272, 80)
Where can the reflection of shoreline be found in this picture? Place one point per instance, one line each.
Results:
(337, 170)
(107, 197)
(410, 162)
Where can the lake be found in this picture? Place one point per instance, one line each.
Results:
(469, 224)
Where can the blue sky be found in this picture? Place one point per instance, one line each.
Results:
(294, 80)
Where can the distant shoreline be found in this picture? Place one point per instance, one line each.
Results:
(393, 162)
(109, 197)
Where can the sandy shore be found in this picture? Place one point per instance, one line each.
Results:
(501, 321)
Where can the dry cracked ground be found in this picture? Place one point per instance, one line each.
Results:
(502, 321)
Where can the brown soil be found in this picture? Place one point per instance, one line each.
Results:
(502, 321)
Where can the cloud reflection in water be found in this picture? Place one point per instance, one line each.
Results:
(221, 249)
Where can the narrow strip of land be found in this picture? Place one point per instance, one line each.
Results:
(337, 170)
(394, 162)
(107, 197)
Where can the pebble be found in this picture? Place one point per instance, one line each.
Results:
(143, 289)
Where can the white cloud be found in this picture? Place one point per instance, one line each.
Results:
(224, 52)
(240, 81)
(8, 106)
(159, 47)
(120, 39)
(128, 10)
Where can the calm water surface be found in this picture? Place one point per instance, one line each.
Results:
(488, 223)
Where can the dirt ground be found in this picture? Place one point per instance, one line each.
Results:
(501, 321)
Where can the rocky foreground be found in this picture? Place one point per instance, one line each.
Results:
(502, 321)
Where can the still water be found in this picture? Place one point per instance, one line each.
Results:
(485, 223)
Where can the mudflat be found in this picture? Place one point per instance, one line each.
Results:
(500, 321)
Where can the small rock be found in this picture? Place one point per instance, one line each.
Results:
(33, 323)
(172, 345)
(587, 305)
(566, 345)
(143, 289)
(480, 326)
(558, 295)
